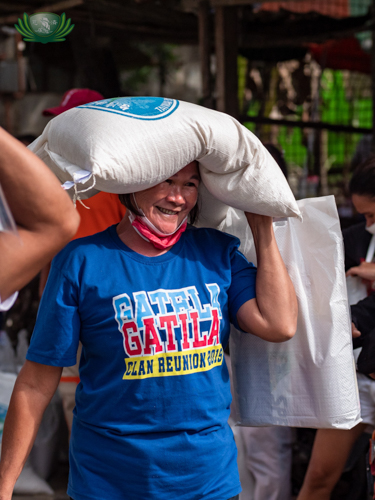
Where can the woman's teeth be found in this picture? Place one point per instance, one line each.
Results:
(167, 212)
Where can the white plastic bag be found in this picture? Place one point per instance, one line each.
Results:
(356, 289)
(309, 381)
(127, 144)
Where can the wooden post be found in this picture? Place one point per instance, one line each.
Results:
(226, 60)
(205, 42)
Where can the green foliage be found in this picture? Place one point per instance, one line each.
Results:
(340, 107)
(344, 99)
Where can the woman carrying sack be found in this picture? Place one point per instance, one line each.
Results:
(151, 301)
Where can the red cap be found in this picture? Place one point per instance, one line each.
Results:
(73, 98)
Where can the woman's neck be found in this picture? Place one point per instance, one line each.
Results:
(135, 242)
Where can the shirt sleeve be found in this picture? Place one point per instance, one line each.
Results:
(56, 334)
(242, 287)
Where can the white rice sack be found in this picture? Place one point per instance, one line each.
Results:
(127, 144)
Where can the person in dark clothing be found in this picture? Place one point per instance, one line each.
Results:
(362, 187)
(332, 446)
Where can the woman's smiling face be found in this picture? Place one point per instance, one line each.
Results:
(168, 203)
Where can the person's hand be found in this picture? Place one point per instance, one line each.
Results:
(366, 271)
(355, 332)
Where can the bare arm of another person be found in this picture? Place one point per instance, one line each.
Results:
(355, 332)
(272, 315)
(45, 216)
(366, 271)
(33, 390)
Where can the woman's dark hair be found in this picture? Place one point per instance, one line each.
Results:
(363, 179)
(26, 138)
(128, 201)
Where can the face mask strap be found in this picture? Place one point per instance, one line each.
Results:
(137, 207)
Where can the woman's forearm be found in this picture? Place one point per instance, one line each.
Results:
(33, 391)
(276, 312)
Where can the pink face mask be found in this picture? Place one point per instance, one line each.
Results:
(150, 233)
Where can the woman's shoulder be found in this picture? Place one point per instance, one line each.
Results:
(82, 248)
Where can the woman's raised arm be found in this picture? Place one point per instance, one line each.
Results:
(272, 315)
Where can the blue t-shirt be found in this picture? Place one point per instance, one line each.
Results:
(152, 406)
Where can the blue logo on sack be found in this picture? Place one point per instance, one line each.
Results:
(141, 108)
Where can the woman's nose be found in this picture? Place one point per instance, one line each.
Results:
(175, 195)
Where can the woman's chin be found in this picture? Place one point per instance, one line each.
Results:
(166, 229)
(166, 226)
